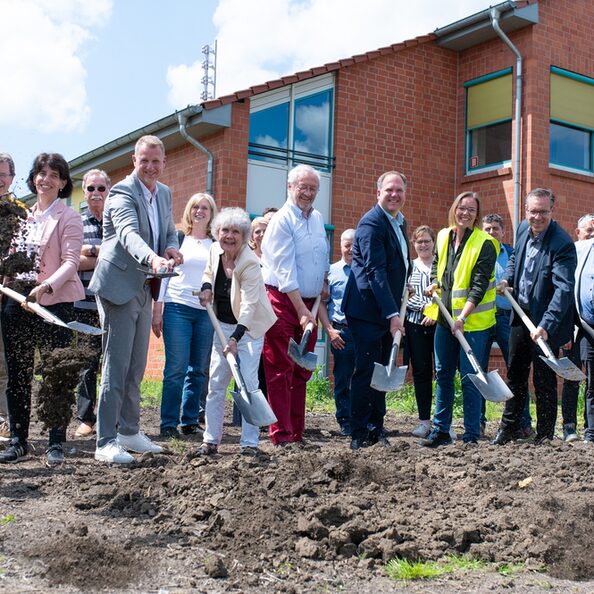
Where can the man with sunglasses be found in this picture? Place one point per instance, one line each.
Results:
(541, 271)
(95, 185)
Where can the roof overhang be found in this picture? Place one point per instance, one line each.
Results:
(477, 28)
(117, 153)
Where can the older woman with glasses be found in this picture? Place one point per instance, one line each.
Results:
(464, 271)
(234, 285)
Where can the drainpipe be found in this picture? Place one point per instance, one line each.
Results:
(182, 118)
(495, 14)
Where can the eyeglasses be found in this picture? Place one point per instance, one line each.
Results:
(465, 209)
(306, 188)
(423, 241)
(538, 213)
(98, 188)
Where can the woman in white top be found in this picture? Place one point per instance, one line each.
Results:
(187, 331)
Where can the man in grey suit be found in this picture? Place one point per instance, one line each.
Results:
(138, 230)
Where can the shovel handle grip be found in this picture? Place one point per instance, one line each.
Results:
(398, 335)
(529, 324)
(310, 325)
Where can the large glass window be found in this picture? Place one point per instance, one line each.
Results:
(488, 120)
(572, 120)
(293, 125)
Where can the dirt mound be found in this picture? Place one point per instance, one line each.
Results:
(301, 519)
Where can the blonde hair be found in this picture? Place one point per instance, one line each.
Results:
(186, 222)
(456, 203)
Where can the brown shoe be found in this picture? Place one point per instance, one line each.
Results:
(207, 449)
(84, 430)
(4, 430)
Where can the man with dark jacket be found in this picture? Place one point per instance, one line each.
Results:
(372, 300)
(541, 272)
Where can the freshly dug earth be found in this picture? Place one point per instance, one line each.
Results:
(318, 519)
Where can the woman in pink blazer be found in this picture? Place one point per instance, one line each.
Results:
(53, 233)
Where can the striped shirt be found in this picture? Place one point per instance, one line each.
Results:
(420, 280)
(92, 234)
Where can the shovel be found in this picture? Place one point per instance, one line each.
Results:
(390, 378)
(297, 352)
(48, 316)
(251, 403)
(490, 385)
(562, 367)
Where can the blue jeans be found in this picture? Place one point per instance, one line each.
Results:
(187, 334)
(344, 367)
(448, 353)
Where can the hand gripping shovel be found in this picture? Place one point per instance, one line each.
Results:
(48, 316)
(490, 385)
(389, 378)
(251, 403)
(297, 352)
(562, 367)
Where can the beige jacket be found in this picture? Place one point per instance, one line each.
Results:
(249, 301)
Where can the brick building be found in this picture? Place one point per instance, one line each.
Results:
(443, 108)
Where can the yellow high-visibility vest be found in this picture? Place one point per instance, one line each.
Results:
(483, 315)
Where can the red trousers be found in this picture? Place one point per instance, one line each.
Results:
(285, 380)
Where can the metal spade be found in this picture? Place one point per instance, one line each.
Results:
(251, 403)
(490, 385)
(562, 367)
(297, 352)
(48, 316)
(389, 378)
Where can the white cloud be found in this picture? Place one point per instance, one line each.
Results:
(44, 79)
(263, 39)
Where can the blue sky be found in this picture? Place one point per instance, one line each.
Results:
(84, 73)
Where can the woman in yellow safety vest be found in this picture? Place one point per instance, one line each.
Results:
(464, 271)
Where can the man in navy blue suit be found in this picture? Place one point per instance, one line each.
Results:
(372, 300)
(541, 271)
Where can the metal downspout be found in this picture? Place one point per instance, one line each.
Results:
(495, 14)
(182, 118)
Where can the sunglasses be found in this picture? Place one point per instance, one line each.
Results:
(98, 188)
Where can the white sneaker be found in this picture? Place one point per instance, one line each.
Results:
(422, 429)
(453, 434)
(138, 443)
(112, 451)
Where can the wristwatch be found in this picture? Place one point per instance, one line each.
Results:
(462, 319)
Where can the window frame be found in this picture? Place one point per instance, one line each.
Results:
(468, 131)
(570, 125)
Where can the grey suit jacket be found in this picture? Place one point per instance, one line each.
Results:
(127, 240)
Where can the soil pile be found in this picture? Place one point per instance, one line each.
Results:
(321, 518)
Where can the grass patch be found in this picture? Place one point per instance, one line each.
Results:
(178, 446)
(318, 395)
(150, 393)
(405, 570)
(5, 519)
(510, 568)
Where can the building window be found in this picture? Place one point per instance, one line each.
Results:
(294, 125)
(572, 121)
(489, 121)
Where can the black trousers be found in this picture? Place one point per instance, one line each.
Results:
(86, 391)
(524, 352)
(420, 346)
(22, 332)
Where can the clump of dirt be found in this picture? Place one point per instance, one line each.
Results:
(12, 214)
(60, 370)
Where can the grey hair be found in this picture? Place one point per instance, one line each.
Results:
(347, 234)
(150, 141)
(585, 218)
(6, 158)
(300, 170)
(541, 193)
(232, 217)
(493, 218)
(382, 177)
(96, 172)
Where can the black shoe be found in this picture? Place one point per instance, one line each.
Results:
(14, 452)
(191, 429)
(357, 444)
(55, 455)
(381, 439)
(345, 430)
(169, 433)
(436, 439)
(505, 436)
(543, 439)
(202, 418)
